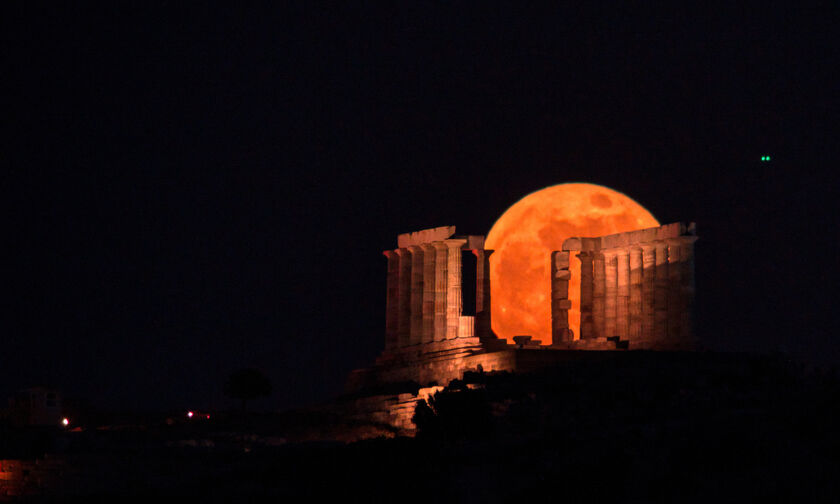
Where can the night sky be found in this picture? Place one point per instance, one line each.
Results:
(192, 190)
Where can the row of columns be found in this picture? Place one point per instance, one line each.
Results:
(424, 300)
(642, 291)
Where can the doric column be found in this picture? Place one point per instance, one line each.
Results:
(560, 303)
(598, 291)
(648, 290)
(635, 305)
(660, 315)
(482, 292)
(610, 282)
(454, 299)
(404, 298)
(391, 303)
(687, 281)
(674, 291)
(416, 325)
(622, 308)
(586, 285)
(441, 264)
(428, 293)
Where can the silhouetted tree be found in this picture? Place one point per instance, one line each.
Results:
(454, 414)
(247, 384)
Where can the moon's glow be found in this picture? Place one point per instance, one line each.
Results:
(526, 234)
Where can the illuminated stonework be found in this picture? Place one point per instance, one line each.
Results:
(636, 292)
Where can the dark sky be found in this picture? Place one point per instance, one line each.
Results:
(193, 190)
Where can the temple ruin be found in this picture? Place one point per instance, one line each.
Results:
(636, 292)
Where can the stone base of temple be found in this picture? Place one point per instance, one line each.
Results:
(373, 396)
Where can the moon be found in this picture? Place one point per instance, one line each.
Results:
(523, 239)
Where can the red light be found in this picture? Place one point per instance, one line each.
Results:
(189, 414)
(65, 422)
(208, 417)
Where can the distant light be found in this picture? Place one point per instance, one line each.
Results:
(65, 421)
(765, 158)
(208, 417)
(189, 414)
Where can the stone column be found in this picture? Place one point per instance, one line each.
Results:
(635, 305)
(391, 300)
(586, 285)
(674, 292)
(428, 293)
(404, 299)
(660, 315)
(482, 292)
(687, 282)
(648, 290)
(454, 299)
(441, 263)
(610, 282)
(622, 308)
(598, 292)
(560, 303)
(416, 325)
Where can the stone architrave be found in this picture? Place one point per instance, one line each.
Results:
(441, 264)
(635, 304)
(482, 292)
(428, 293)
(660, 315)
(560, 303)
(404, 299)
(391, 299)
(586, 285)
(648, 290)
(622, 308)
(610, 291)
(416, 324)
(454, 293)
(598, 292)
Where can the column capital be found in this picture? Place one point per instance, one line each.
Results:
(414, 248)
(611, 252)
(439, 245)
(478, 252)
(390, 254)
(455, 242)
(426, 247)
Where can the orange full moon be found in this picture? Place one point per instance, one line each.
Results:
(523, 239)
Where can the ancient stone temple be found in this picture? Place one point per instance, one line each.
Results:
(636, 292)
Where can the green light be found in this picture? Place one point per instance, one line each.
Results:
(765, 158)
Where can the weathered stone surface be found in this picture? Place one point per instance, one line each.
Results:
(404, 298)
(635, 304)
(441, 275)
(416, 303)
(482, 292)
(598, 292)
(610, 291)
(428, 293)
(622, 309)
(406, 240)
(560, 260)
(660, 330)
(648, 289)
(454, 293)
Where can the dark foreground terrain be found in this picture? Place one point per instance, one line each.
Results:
(641, 427)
